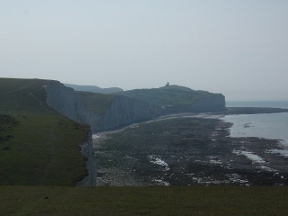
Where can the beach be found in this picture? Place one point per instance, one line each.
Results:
(187, 150)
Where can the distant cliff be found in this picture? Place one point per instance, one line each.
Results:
(104, 112)
(94, 89)
(177, 99)
(63, 100)
(212, 103)
(122, 110)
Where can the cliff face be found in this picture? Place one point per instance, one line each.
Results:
(63, 100)
(87, 150)
(123, 110)
(215, 102)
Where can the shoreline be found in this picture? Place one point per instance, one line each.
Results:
(226, 160)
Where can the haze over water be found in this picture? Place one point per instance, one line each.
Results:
(269, 126)
(274, 104)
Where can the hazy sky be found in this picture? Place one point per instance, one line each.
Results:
(235, 47)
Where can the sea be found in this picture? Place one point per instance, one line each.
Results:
(269, 126)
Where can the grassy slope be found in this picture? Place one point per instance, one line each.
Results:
(42, 147)
(168, 95)
(216, 200)
(98, 103)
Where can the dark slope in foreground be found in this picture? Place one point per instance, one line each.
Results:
(37, 144)
(152, 201)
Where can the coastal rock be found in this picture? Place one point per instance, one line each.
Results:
(87, 150)
(213, 103)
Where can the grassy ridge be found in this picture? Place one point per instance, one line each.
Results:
(167, 96)
(216, 200)
(94, 89)
(37, 145)
(23, 96)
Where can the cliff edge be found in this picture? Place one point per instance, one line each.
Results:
(105, 112)
(121, 110)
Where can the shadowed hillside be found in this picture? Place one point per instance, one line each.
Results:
(37, 144)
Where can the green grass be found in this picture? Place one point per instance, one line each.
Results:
(98, 103)
(23, 96)
(37, 145)
(44, 150)
(216, 200)
(166, 96)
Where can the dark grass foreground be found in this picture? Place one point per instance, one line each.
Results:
(38, 146)
(198, 200)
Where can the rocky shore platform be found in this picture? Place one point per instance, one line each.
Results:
(187, 150)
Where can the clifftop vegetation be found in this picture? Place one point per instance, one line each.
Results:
(95, 102)
(167, 96)
(37, 144)
(23, 95)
